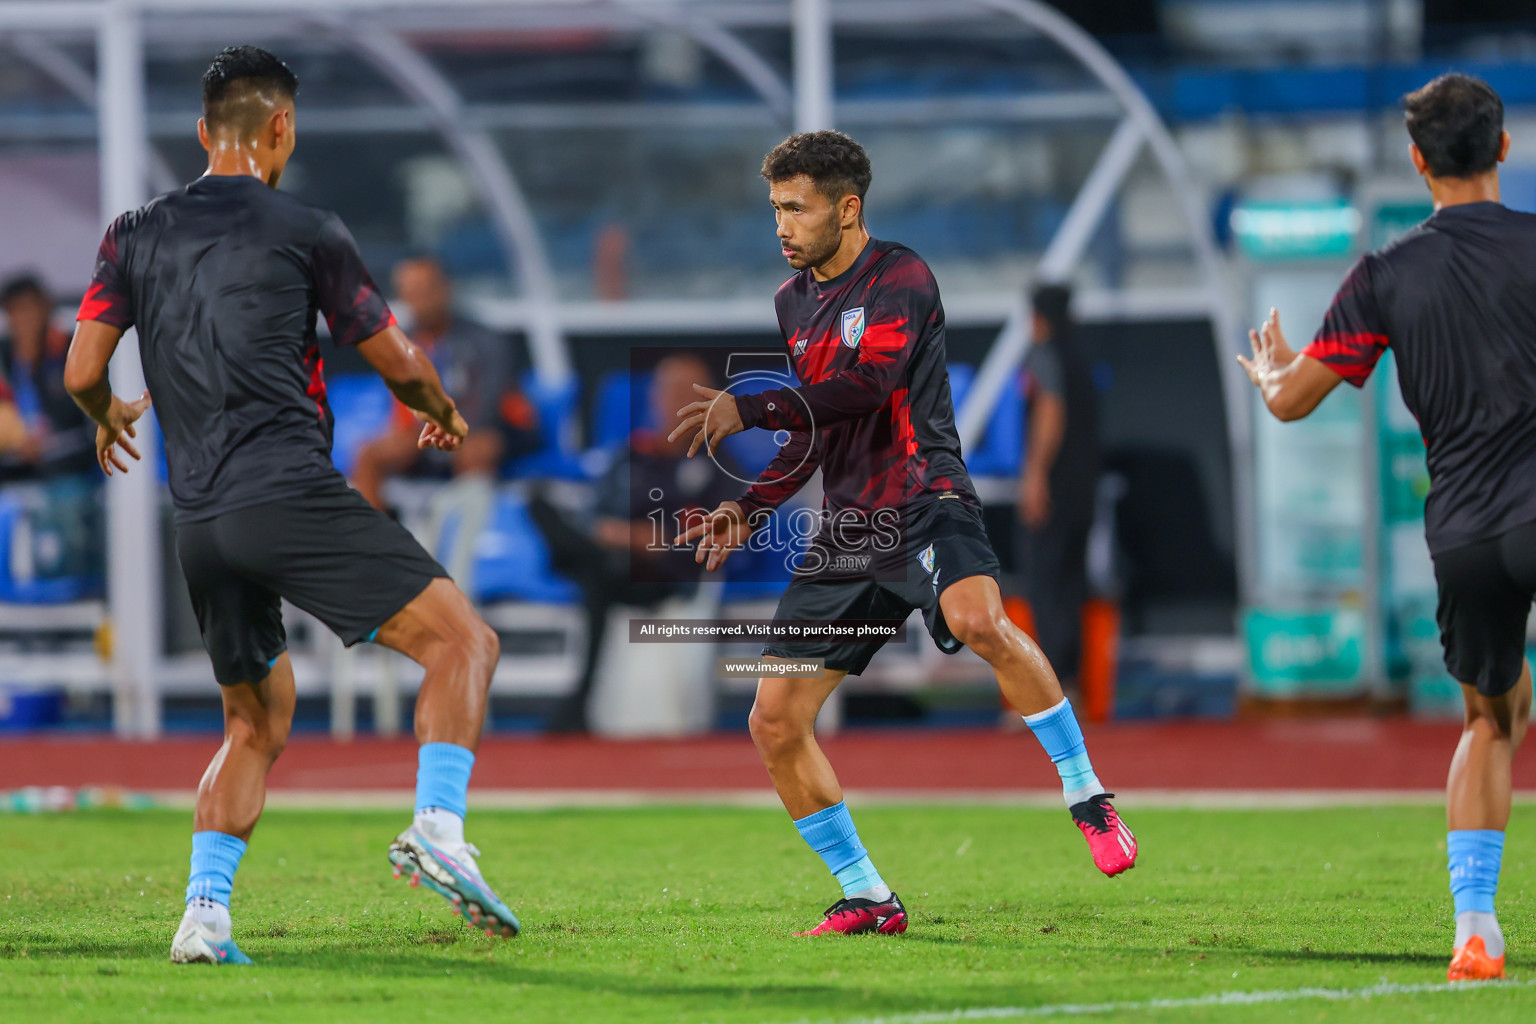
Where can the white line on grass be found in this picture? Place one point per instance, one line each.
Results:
(1384, 988)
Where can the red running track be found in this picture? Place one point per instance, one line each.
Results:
(1346, 754)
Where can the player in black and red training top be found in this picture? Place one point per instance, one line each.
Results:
(1455, 299)
(901, 526)
(224, 279)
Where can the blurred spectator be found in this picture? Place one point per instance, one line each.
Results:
(13, 430)
(610, 263)
(58, 438)
(627, 557)
(1061, 473)
(477, 370)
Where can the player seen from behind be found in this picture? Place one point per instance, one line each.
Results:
(1455, 299)
(901, 525)
(223, 279)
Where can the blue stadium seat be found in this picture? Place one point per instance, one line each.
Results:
(54, 590)
(557, 457)
(362, 406)
(622, 405)
(1000, 452)
(512, 560)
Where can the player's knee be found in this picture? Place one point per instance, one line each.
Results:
(980, 629)
(258, 732)
(1493, 715)
(275, 739)
(771, 728)
(483, 646)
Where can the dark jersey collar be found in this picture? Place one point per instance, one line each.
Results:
(1469, 209)
(859, 263)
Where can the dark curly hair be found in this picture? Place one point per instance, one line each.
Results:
(838, 165)
(241, 85)
(1457, 122)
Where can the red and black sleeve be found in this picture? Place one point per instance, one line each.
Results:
(109, 299)
(1354, 333)
(795, 464)
(897, 311)
(353, 306)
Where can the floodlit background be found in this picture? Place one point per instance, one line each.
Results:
(586, 174)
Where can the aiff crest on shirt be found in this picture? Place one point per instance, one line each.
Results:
(853, 326)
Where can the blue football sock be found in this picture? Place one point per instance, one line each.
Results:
(831, 834)
(1058, 732)
(215, 858)
(442, 777)
(1474, 856)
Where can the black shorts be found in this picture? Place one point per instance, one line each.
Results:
(328, 551)
(1485, 598)
(944, 543)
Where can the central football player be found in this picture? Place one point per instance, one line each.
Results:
(901, 525)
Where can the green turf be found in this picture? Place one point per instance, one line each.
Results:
(684, 915)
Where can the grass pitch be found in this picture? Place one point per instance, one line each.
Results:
(684, 914)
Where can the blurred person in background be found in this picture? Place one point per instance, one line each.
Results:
(13, 429)
(621, 560)
(476, 366)
(59, 439)
(46, 440)
(1455, 300)
(1061, 473)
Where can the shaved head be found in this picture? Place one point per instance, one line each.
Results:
(241, 89)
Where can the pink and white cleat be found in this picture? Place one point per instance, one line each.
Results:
(1111, 843)
(858, 916)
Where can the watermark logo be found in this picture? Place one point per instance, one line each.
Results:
(749, 373)
(807, 540)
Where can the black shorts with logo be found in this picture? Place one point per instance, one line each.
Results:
(1485, 597)
(943, 541)
(328, 551)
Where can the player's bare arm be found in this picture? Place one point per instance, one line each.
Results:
(719, 533)
(414, 380)
(85, 377)
(1292, 384)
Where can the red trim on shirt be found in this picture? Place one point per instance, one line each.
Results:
(1351, 356)
(91, 307)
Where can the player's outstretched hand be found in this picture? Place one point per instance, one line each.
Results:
(1271, 353)
(447, 440)
(715, 417)
(719, 533)
(115, 433)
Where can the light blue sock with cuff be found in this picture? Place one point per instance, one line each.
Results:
(1474, 856)
(1058, 732)
(831, 833)
(442, 791)
(215, 859)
